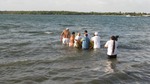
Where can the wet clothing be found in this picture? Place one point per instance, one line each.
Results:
(110, 51)
(77, 40)
(112, 56)
(96, 40)
(65, 40)
(85, 43)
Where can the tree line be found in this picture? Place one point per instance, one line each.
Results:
(72, 13)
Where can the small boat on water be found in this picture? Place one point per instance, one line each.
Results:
(128, 15)
(146, 15)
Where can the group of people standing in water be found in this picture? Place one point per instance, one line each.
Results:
(86, 42)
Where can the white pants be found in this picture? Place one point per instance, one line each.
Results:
(65, 40)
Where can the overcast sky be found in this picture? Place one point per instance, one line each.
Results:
(77, 5)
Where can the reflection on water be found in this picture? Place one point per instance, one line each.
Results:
(111, 65)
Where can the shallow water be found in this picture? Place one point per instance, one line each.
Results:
(31, 51)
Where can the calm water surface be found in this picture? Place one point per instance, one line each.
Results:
(31, 51)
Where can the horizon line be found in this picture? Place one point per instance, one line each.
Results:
(75, 11)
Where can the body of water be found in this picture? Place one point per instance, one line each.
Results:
(31, 51)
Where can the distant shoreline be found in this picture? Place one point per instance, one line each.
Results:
(73, 13)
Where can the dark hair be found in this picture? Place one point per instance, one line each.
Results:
(116, 38)
(113, 37)
(85, 31)
(73, 32)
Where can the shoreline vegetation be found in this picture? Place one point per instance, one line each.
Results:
(74, 13)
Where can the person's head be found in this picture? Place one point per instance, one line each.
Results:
(79, 34)
(67, 29)
(73, 33)
(85, 31)
(96, 33)
(113, 38)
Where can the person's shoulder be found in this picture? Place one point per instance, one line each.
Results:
(64, 30)
(97, 36)
(77, 36)
(108, 41)
(80, 36)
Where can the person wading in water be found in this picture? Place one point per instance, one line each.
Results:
(111, 46)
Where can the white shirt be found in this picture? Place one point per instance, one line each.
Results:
(77, 38)
(109, 45)
(96, 40)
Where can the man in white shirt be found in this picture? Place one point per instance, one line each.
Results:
(96, 40)
(78, 40)
(111, 46)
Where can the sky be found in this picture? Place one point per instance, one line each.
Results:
(76, 5)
